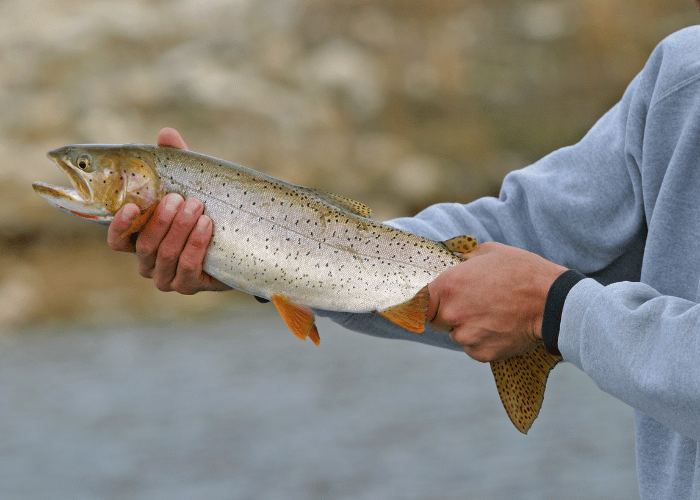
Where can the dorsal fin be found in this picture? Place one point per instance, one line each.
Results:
(461, 244)
(346, 204)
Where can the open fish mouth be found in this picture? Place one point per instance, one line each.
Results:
(77, 180)
(71, 201)
(76, 200)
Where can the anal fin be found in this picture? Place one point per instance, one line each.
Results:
(521, 381)
(410, 315)
(299, 319)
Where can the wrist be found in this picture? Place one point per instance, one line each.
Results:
(554, 308)
(545, 282)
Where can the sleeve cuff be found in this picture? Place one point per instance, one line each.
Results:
(555, 306)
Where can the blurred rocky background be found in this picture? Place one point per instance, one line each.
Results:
(398, 104)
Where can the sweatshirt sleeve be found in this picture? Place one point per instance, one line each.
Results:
(638, 345)
(580, 207)
(585, 207)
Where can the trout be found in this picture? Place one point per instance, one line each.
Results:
(301, 248)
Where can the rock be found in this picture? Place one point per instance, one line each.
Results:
(545, 20)
(342, 66)
(396, 104)
(380, 153)
(375, 27)
(18, 297)
(417, 178)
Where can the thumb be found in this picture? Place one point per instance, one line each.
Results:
(433, 302)
(171, 137)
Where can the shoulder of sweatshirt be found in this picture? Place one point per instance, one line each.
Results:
(674, 64)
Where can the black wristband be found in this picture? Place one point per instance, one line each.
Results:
(554, 307)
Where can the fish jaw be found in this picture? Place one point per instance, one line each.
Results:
(81, 187)
(72, 202)
(104, 178)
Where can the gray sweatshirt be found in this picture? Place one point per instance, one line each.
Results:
(621, 206)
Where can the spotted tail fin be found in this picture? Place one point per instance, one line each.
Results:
(520, 381)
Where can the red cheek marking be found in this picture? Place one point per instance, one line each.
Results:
(85, 216)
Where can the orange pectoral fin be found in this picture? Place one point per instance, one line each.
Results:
(299, 319)
(410, 315)
(139, 222)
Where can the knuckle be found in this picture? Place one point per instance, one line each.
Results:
(183, 287)
(481, 358)
(478, 355)
(450, 317)
(167, 256)
(461, 337)
(183, 224)
(143, 248)
(186, 291)
(188, 267)
(162, 285)
(451, 290)
(117, 242)
(490, 246)
(160, 223)
(197, 243)
(145, 272)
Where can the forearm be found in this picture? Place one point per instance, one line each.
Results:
(377, 326)
(638, 345)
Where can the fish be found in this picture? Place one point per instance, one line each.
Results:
(299, 247)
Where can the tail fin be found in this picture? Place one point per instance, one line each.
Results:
(520, 381)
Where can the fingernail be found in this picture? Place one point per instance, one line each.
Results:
(173, 202)
(191, 206)
(202, 223)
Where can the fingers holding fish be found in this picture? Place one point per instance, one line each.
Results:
(485, 345)
(121, 222)
(492, 303)
(149, 239)
(189, 277)
(166, 256)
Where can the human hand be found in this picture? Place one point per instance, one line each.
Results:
(493, 303)
(170, 249)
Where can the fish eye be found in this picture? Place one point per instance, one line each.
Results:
(83, 162)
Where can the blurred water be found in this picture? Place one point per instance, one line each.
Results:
(241, 409)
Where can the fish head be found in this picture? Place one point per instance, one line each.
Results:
(104, 178)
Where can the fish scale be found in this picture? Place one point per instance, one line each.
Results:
(299, 247)
(323, 256)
